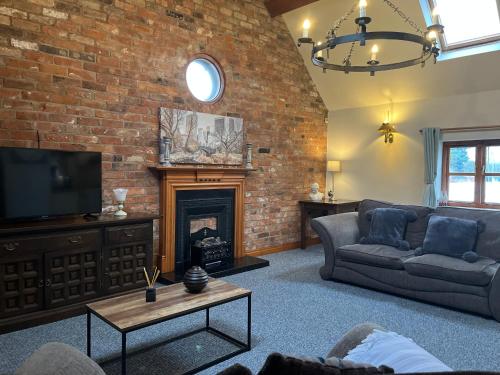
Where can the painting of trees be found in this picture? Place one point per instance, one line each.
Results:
(202, 138)
(171, 121)
(229, 140)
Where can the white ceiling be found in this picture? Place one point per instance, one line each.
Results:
(339, 90)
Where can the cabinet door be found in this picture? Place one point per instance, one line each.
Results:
(72, 274)
(21, 284)
(123, 266)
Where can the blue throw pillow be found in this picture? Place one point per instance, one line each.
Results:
(388, 227)
(452, 236)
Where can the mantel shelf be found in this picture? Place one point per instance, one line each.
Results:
(191, 168)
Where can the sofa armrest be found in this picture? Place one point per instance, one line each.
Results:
(335, 231)
(494, 296)
(57, 358)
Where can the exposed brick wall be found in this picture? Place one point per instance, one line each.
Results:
(91, 75)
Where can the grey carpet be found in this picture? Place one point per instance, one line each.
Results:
(294, 312)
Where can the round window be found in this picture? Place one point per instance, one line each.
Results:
(204, 79)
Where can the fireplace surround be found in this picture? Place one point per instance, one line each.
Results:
(179, 179)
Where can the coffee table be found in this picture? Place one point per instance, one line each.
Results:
(130, 312)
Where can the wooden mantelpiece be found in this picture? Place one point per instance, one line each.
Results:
(173, 179)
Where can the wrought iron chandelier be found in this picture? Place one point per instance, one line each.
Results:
(428, 39)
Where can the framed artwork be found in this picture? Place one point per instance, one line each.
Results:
(202, 138)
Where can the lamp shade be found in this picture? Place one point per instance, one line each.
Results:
(333, 166)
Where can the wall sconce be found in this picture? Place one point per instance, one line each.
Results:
(387, 130)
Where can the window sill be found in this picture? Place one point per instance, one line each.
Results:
(468, 51)
(473, 205)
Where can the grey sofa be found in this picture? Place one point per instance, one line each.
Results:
(473, 287)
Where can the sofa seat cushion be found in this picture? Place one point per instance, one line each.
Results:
(375, 255)
(456, 270)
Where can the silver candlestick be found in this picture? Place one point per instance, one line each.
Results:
(249, 156)
(167, 142)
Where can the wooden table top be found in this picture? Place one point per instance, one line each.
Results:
(131, 311)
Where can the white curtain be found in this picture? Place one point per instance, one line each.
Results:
(431, 138)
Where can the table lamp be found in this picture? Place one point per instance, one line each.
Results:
(120, 196)
(332, 166)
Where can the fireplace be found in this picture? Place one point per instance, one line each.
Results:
(193, 198)
(202, 214)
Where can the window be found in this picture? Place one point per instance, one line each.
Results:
(470, 27)
(204, 79)
(471, 173)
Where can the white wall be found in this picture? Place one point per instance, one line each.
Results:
(395, 172)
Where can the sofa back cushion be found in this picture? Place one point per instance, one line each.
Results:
(488, 242)
(415, 232)
(452, 236)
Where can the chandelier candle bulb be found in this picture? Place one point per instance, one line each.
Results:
(362, 8)
(305, 29)
(320, 53)
(374, 52)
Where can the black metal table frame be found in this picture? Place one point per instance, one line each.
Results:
(243, 347)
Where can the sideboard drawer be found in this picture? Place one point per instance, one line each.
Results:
(16, 246)
(74, 239)
(130, 233)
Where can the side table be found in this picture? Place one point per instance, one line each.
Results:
(309, 208)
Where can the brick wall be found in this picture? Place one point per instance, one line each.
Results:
(91, 75)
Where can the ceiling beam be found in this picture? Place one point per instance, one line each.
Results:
(278, 7)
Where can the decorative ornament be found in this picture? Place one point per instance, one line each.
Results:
(195, 279)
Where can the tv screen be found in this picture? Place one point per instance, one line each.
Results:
(40, 183)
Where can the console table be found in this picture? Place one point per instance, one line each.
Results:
(309, 208)
(50, 268)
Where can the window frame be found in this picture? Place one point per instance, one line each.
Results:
(468, 48)
(222, 77)
(467, 43)
(479, 174)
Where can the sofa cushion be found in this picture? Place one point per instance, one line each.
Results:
(488, 243)
(388, 227)
(278, 364)
(455, 270)
(451, 236)
(415, 232)
(376, 255)
(396, 351)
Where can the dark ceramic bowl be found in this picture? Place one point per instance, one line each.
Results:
(195, 279)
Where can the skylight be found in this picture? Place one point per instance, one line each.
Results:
(467, 23)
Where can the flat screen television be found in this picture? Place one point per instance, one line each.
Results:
(38, 183)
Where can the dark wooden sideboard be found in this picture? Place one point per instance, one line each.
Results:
(50, 269)
(309, 209)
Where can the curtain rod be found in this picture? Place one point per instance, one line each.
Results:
(468, 129)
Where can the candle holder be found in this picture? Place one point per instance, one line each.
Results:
(249, 156)
(167, 143)
(162, 150)
(120, 196)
